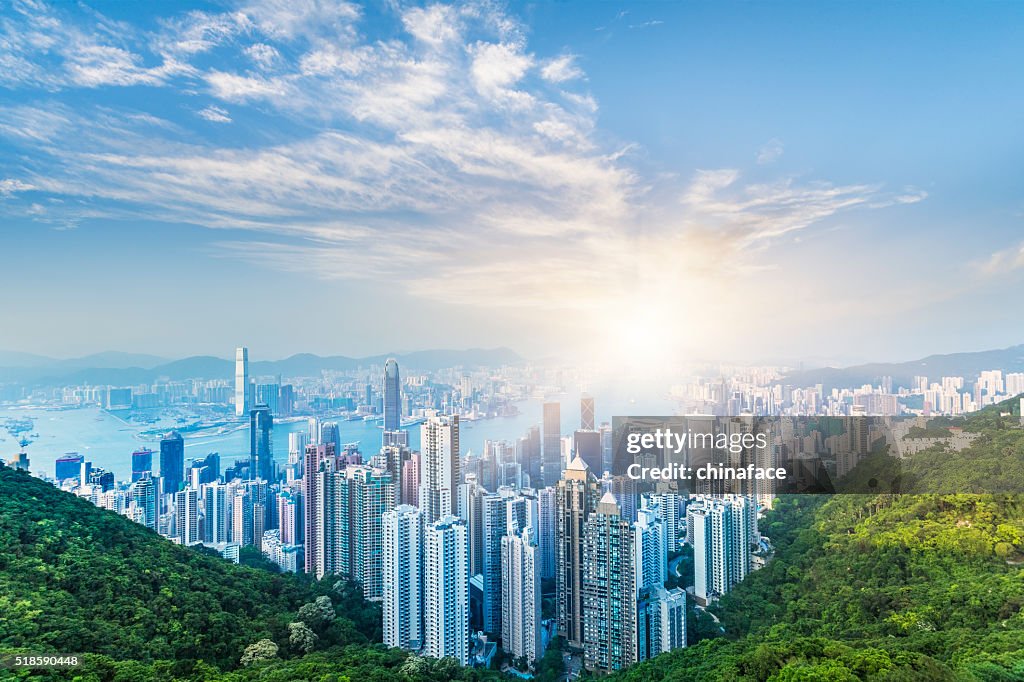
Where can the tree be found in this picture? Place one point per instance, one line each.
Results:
(301, 637)
(263, 650)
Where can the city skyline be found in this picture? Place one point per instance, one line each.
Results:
(672, 174)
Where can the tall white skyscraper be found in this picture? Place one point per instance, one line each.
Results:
(403, 577)
(186, 508)
(446, 590)
(723, 531)
(242, 405)
(521, 596)
(440, 467)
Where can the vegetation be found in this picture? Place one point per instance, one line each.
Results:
(873, 587)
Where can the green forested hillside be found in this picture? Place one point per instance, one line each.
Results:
(78, 579)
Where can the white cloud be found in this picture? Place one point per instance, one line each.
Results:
(9, 186)
(214, 114)
(237, 88)
(1002, 262)
(262, 54)
(561, 69)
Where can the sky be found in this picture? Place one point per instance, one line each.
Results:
(733, 182)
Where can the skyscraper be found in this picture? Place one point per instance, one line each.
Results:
(440, 467)
(144, 502)
(392, 396)
(576, 499)
(446, 590)
(371, 494)
(172, 462)
(261, 443)
(521, 597)
(586, 413)
(402, 571)
(142, 463)
(552, 443)
(315, 455)
(609, 589)
(722, 530)
(241, 381)
(495, 524)
(186, 509)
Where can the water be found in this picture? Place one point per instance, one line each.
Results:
(108, 442)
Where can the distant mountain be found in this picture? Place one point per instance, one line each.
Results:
(966, 365)
(111, 368)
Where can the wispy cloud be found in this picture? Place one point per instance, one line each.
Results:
(1002, 262)
(449, 158)
(770, 152)
(214, 114)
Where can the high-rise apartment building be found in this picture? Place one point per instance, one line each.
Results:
(446, 590)
(576, 498)
(521, 597)
(440, 467)
(402, 572)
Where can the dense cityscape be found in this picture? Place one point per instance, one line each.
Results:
(472, 554)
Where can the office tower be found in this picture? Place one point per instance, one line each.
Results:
(268, 394)
(402, 570)
(446, 590)
(528, 454)
(329, 433)
(241, 382)
(144, 502)
(19, 462)
(315, 455)
(172, 462)
(552, 443)
(186, 509)
(576, 497)
(411, 480)
(547, 531)
(217, 513)
(521, 597)
(289, 505)
(587, 444)
(392, 392)
(261, 443)
(286, 401)
(440, 467)
(372, 493)
(203, 470)
(68, 466)
(297, 442)
(662, 622)
(587, 414)
(142, 463)
(609, 589)
(470, 507)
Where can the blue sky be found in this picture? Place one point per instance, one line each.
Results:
(753, 181)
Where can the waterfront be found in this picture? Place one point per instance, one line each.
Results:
(107, 441)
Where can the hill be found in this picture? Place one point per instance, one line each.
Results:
(934, 366)
(78, 579)
(112, 368)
